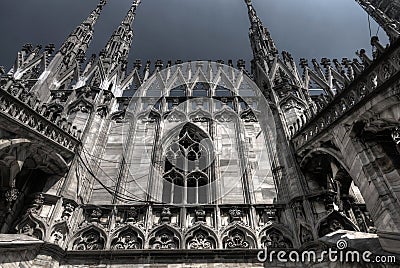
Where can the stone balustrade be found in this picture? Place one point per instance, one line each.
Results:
(20, 107)
(378, 76)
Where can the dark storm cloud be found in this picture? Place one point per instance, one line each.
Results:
(192, 29)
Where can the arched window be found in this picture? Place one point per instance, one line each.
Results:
(200, 89)
(187, 167)
(179, 91)
(221, 91)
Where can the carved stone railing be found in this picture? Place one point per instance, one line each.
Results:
(27, 117)
(378, 76)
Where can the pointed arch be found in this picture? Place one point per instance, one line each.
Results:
(226, 114)
(176, 115)
(132, 78)
(276, 236)
(164, 237)
(89, 238)
(199, 115)
(186, 161)
(280, 65)
(249, 115)
(149, 115)
(305, 234)
(154, 86)
(80, 104)
(238, 236)
(177, 82)
(127, 237)
(174, 132)
(59, 233)
(200, 89)
(32, 226)
(334, 221)
(201, 237)
(199, 76)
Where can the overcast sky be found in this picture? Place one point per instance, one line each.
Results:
(193, 29)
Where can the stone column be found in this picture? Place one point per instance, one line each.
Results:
(371, 175)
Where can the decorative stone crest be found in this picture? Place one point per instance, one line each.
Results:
(127, 239)
(30, 226)
(330, 225)
(328, 201)
(305, 235)
(148, 119)
(119, 116)
(95, 215)
(11, 196)
(200, 215)
(36, 205)
(102, 111)
(82, 107)
(59, 234)
(164, 239)
(89, 240)
(298, 210)
(166, 215)
(132, 215)
(67, 212)
(335, 225)
(224, 118)
(275, 239)
(235, 214)
(176, 116)
(237, 240)
(200, 240)
(29, 229)
(249, 116)
(270, 214)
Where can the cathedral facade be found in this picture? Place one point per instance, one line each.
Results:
(201, 163)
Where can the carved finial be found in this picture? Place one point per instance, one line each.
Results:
(27, 48)
(235, 214)
(241, 64)
(200, 214)
(325, 62)
(131, 215)
(166, 215)
(159, 64)
(147, 67)
(303, 63)
(137, 64)
(49, 48)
